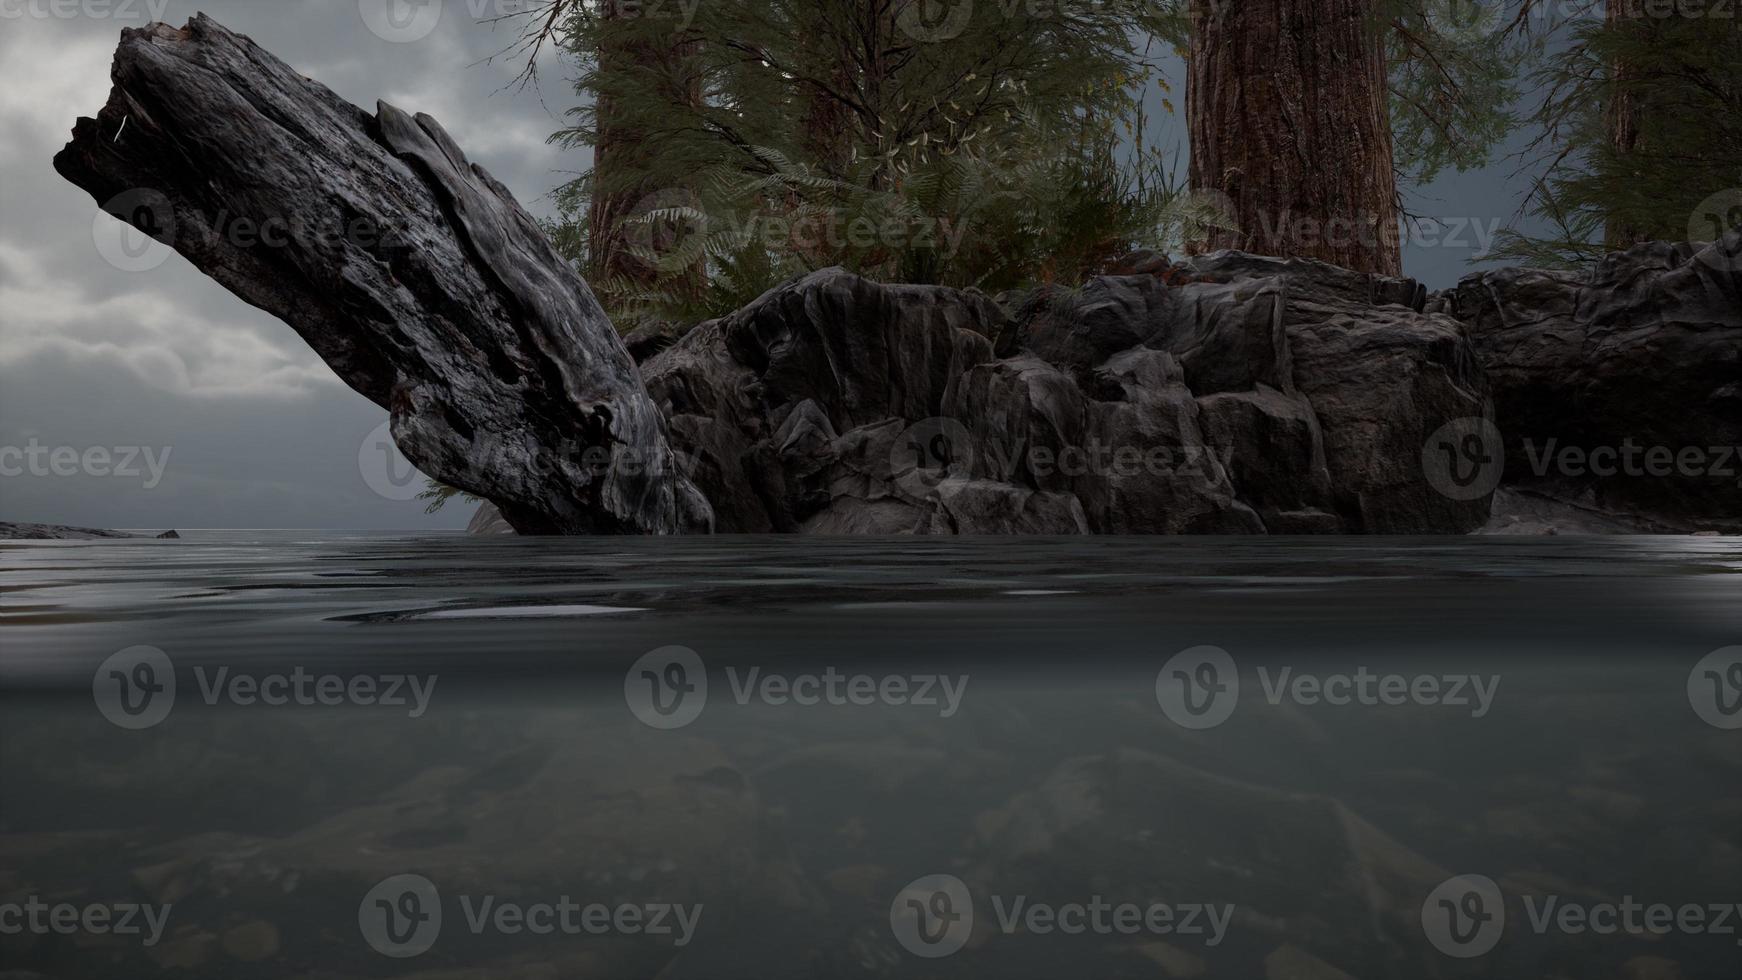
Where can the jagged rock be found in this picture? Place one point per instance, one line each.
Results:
(1235, 396)
(1644, 350)
(487, 520)
(1524, 512)
(408, 269)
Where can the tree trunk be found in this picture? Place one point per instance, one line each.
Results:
(413, 273)
(608, 256)
(618, 155)
(1287, 109)
(1622, 116)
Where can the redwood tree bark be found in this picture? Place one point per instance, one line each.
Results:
(1287, 108)
(1622, 117)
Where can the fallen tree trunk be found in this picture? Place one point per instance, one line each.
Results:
(414, 274)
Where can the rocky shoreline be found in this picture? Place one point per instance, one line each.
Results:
(1222, 394)
(1278, 396)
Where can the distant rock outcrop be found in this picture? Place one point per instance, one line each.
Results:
(13, 531)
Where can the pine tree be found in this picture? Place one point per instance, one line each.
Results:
(1639, 131)
(978, 147)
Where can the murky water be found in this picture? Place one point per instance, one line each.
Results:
(779, 757)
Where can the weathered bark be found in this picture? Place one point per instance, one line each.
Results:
(1622, 117)
(1288, 117)
(410, 271)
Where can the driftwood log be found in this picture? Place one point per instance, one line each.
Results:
(409, 270)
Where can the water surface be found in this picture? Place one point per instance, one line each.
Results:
(1014, 738)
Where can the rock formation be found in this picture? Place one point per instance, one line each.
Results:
(1231, 395)
(1226, 394)
(1621, 387)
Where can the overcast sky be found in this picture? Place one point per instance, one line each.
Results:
(238, 423)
